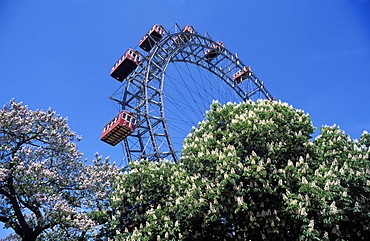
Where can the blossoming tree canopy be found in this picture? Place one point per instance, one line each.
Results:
(44, 185)
(250, 171)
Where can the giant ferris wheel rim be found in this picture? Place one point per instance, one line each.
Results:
(148, 82)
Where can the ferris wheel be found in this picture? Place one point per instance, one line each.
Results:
(168, 87)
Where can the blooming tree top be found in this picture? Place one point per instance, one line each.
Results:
(43, 181)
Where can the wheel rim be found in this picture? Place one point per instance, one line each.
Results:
(142, 92)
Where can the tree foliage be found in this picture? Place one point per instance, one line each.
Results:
(250, 171)
(47, 192)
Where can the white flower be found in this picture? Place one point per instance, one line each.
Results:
(333, 208)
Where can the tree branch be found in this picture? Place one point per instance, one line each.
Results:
(14, 225)
(18, 212)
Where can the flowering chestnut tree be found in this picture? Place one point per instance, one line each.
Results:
(46, 190)
(250, 171)
(144, 200)
(342, 183)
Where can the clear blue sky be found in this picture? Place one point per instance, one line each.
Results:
(313, 54)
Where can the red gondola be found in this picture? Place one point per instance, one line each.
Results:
(118, 128)
(183, 38)
(213, 52)
(242, 74)
(155, 34)
(125, 65)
